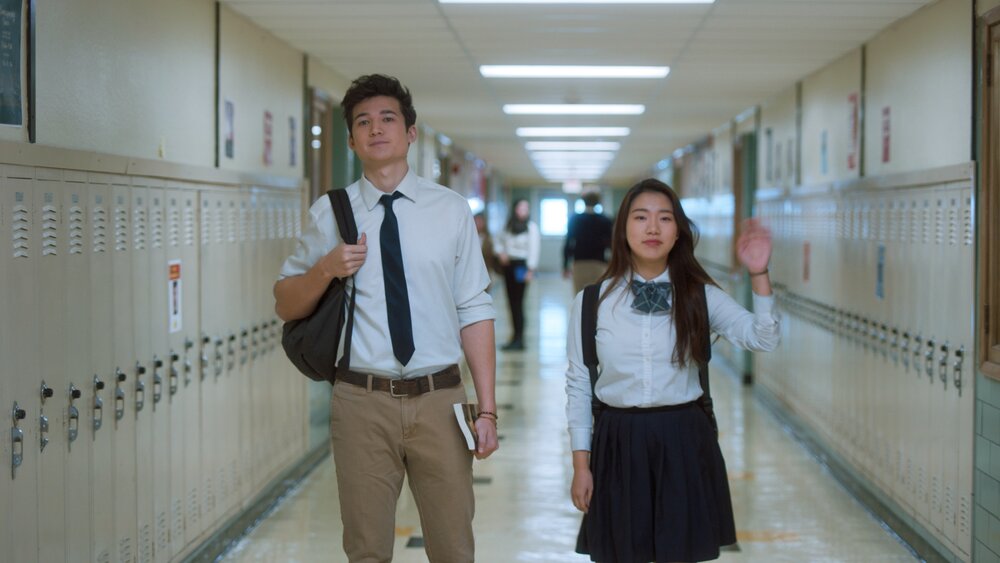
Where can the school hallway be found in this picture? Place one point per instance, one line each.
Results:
(788, 507)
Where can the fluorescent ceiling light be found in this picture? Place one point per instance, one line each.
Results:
(572, 156)
(573, 131)
(576, 1)
(572, 71)
(574, 109)
(572, 145)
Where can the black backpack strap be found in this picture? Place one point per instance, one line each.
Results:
(344, 216)
(705, 401)
(588, 340)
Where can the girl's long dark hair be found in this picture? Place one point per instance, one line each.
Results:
(514, 223)
(687, 276)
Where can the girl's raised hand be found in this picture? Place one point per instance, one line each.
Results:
(753, 248)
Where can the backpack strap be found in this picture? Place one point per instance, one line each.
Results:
(705, 401)
(344, 216)
(588, 328)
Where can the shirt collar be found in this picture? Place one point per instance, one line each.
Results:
(664, 277)
(408, 186)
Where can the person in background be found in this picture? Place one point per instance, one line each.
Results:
(486, 243)
(588, 238)
(517, 248)
(647, 469)
(421, 302)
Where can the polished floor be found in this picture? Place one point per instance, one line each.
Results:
(788, 508)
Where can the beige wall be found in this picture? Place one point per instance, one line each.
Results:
(920, 69)
(983, 6)
(779, 116)
(322, 78)
(827, 110)
(259, 73)
(125, 77)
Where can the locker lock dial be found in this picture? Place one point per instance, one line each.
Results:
(943, 365)
(120, 377)
(98, 404)
(43, 421)
(74, 413)
(929, 359)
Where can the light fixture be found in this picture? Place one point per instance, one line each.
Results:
(572, 71)
(576, 1)
(572, 145)
(574, 109)
(572, 156)
(573, 131)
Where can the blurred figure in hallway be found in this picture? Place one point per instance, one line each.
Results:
(486, 243)
(517, 249)
(588, 238)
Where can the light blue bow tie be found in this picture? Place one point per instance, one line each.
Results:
(651, 297)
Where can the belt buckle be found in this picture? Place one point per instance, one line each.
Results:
(392, 389)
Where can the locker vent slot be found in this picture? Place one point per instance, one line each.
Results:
(121, 229)
(925, 236)
(244, 225)
(99, 223)
(232, 232)
(162, 531)
(177, 511)
(206, 224)
(189, 226)
(967, 238)
(125, 549)
(157, 226)
(139, 228)
(298, 223)
(174, 227)
(21, 231)
(146, 543)
(76, 230)
(953, 223)
(193, 510)
(50, 230)
(220, 225)
(939, 223)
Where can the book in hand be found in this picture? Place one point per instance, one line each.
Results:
(466, 414)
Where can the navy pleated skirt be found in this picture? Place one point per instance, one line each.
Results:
(660, 488)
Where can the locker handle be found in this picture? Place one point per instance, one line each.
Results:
(98, 413)
(120, 376)
(929, 359)
(174, 376)
(119, 403)
(98, 384)
(16, 440)
(140, 396)
(43, 429)
(46, 392)
(74, 423)
(943, 365)
(957, 366)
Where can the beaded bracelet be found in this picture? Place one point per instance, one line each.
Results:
(758, 273)
(489, 414)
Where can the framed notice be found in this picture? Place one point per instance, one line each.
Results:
(175, 296)
(10, 62)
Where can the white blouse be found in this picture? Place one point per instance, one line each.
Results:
(524, 246)
(635, 352)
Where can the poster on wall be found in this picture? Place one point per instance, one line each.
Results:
(228, 128)
(853, 118)
(268, 130)
(291, 141)
(10, 62)
(175, 305)
(886, 134)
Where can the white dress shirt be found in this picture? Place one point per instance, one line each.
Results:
(446, 278)
(635, 352)
(525, 246)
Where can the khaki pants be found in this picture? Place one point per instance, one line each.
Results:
(586, 272)
(377, 439)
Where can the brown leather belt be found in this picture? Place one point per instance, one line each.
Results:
(448, 377)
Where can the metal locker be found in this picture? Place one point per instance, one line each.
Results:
(247, 318)
(233, 306)
(262, 372)
(179, 362)
(23, 254)
(158, 392)
(51, 376)
(212, 276)
(190, 248)
(139, 394)
(124, 377)
(98, 394)
(76, 395)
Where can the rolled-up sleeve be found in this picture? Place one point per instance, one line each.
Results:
(758, 331)
(578, 394)
(471, 278)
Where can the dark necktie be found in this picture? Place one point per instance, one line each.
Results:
(651, 297)
(397, 302)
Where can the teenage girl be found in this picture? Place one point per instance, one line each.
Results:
(649, 476)
(517, 248)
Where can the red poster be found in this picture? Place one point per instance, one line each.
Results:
(268, 127)
(886, 134)
(805, 261)
(852, 133)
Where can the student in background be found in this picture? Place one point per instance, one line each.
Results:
(486, 243)
(517, 248)
(588, 238)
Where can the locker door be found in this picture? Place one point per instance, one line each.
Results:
(158, 392)
(141, 390)
(248, 313)
(76, 396)
(49, 283)
(193, 373)
(99, 393)
(125, 376)
(962, 376)
(232, 308)
(261, 371)
(20, 356)
(176, 378)
(211, 274)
